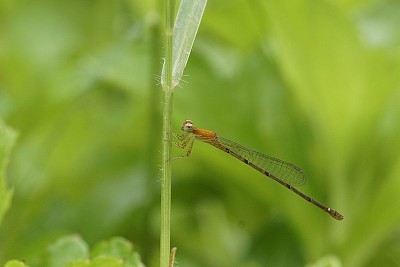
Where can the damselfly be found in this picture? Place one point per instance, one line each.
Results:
(281, 171)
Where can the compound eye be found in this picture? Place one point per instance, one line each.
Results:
(187, 126)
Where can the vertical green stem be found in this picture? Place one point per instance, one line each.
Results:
(166, 180)
(166, 134)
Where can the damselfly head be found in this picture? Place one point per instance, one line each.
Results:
(187, 126)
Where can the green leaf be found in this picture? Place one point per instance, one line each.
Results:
(328, 261)
(185, 29)
(117, 247)
(7, 137)
(15, 263)
(66, 250)
(72, 251)
(98, 262)
(80, 263)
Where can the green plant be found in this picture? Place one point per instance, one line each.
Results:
(73, 251)
(178, 44)
(7, 137)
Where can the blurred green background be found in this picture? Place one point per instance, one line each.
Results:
(313, 82)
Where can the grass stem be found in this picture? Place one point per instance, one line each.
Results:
(166, 136)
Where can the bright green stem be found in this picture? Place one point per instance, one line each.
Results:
(178, 44)
(166, 134)
(166, 180)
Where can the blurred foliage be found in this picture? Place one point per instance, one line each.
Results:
(312, 82)
(72, 251)
(7, 137)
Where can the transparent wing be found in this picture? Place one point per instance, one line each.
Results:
(282, 170)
